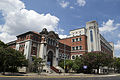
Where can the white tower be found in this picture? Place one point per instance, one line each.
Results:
(93, 36)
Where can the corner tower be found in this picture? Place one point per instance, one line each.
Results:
(93, 36)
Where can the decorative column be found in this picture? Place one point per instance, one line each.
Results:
(42, 52)
(17, 46)
(56, 56)
(27, 49)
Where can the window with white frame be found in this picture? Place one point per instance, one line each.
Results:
(73, 40)
(80, 55)
(73, 57)
(73, 48)
(76, 47)
(80, 47)
(76, 39)
(80, 39)
(76, 56)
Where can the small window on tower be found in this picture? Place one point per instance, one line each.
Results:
(91, 35)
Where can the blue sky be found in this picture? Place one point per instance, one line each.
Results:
(99, 10)
(61, 16)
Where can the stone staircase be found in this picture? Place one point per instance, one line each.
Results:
(55, 69)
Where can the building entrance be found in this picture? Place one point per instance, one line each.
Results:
(50, 58)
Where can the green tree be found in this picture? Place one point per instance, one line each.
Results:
(2, 44)
(3, 59)
(10, 59)
(16, 59)
(38, 64)
(116, 64)
(95, 60)
(77, 64)
(68, 65)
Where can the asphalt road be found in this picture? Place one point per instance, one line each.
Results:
(79, 78)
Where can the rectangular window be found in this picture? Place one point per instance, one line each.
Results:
(76, 39)
(73, 48)
(48, 41)
(80, 39)
(34, 50)
(73, 40)
(76, 47)
(80, 47)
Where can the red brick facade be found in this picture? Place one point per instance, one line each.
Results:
(82, 41)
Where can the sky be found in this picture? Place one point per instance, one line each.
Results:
(61, 16)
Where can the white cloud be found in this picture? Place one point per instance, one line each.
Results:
(108, 26)
(117, 46)
(64, 4)
(118, 24)
(81, 2)
(71, 7)
(118, 35)
(5, 37)
(111, 28)
(19, 20)
(11, 5)
(63, 36)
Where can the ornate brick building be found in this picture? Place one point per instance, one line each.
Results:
(49, 47)
(45, 45)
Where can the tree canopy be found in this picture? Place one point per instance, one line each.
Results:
(95, 60)
(10, 58)
(38, 64)
(90, 60)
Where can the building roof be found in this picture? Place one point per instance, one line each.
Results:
(28, 33)
(72, 37)
(44, 31)
(92, 22)
(12, 42)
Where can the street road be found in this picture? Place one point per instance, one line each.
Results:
(79, 78)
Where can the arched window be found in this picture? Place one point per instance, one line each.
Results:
(76, 56)
(73, 57)
(80, 55)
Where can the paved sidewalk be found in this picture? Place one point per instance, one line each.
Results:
(55, 75)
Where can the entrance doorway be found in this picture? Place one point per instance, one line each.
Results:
(50, 58)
